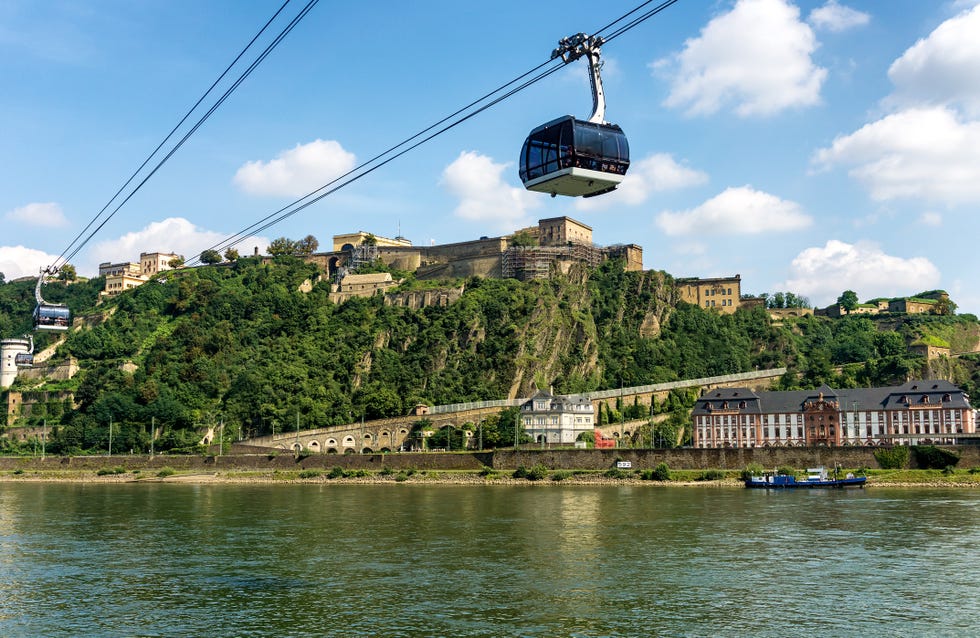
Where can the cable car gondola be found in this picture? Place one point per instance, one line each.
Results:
(573, 157)
(49, 316)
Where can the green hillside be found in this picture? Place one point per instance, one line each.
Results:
(241, 342)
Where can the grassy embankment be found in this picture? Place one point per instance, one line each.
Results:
(120, 474)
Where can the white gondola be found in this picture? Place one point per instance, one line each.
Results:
(573, 157)
(49, 316)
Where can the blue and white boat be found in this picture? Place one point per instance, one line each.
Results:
(816, 477)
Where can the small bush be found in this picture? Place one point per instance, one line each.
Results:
(520, 472)
(18, 471)
(711, 475)
(402, 476)
(387, 471)
(785, 470)
(975, 470)
(308, 474)
(894, 458)
(661, 472)
(615, 473)
(111, 470)
(357, 473)
(949, 470)
(486, 471)
(560, 475)
(536, 473)
(752, 469)
(336, 473)
(166, 471)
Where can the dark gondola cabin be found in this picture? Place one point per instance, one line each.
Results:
(574, 157)
(52, 317)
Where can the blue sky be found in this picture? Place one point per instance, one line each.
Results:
(811, 147)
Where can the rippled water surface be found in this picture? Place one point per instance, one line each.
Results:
(404, 560)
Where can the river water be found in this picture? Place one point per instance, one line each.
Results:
(410, 560)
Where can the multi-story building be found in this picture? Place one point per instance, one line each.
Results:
(557, 419)
(721, 293)
(917, 412)
(152, 263)
(120, 277)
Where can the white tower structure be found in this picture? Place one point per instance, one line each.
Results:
(9, 349)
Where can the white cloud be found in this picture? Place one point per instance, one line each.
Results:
(46, 214)
(172, 235)
(942, 68)
(736, 211)
(823, 273)
(930, 218)
(476, 180)
(296, 172)
(755, 58)
(835, 17)
(656, 173)
(921, 153)
(18, 261)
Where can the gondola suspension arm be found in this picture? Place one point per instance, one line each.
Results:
(574, 47)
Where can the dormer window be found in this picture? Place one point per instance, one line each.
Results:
(946, 397)
(741, 404)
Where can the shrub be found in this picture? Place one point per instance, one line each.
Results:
(661, 472)
(402, 476)
(785, 470)
(387, 471)
(752, 469)
(166, 471)
(486, 471)
(711, 475)
(615, 473)
(894, 458)
(18, 471)
(336, 472)
(111, 470)
(307, 474)
(949, 470)
(930, 457)
(560, 475)
(520, 472)
(536, 473)
(975, 470)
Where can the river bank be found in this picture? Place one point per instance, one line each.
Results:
(682, 478)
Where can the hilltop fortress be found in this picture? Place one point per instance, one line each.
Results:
(529, 253)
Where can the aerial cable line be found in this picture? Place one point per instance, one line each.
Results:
(366, 167)
(362, 169)
(65, 255)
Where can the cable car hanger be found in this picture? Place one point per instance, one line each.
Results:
(573, 157)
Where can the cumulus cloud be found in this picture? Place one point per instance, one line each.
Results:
(942, 68)
(476, 180)
(922, 153)
(822, 273)
(46, 214)
(656, 173)
(19, 261)
(835, 17)
(172, 235)
(755, 58)
(736, 211)
(296, 172)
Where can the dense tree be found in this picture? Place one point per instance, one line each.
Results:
(67, 273)
(210, 256)
(281, 246)
(307, 245)
(231, 254)
(848, 300)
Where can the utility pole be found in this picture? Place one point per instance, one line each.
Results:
(153, 433)
(44, 437)
(110, 436)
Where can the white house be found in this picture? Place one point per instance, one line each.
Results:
(557, 419)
